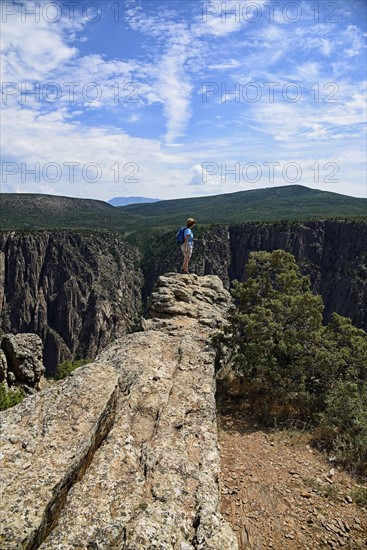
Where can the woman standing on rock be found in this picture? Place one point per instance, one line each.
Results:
(188, 244)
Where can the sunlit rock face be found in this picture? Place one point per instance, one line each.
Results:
(124, 452)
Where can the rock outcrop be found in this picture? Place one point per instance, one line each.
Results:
(77, 291)
(23, 356)
(332, 253)
(3, 367)
(123, 454)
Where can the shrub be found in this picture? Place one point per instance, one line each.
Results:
(9, 398)
(67, 367)
(343, 425)
(360, 496)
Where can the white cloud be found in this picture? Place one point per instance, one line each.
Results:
(181, 52)
(230, 64)
(317, 131)
(32, 49)
(174, 89)
(52, 138)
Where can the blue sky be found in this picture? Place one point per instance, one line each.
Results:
(178, 98)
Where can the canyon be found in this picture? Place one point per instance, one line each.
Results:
(80, 290)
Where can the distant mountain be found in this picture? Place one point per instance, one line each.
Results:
(123, 201)
(37, 211)
(293, 202)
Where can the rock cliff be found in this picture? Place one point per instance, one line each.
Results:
(123, 454)
(77, 291)
(333, 253)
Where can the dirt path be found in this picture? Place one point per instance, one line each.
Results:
(279, 493)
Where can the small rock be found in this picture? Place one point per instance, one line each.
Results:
(11, 378)
(3, 366)
(244, 536)
(341, 524)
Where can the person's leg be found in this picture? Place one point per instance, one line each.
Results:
(185, 265)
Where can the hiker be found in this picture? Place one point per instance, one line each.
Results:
(188, 244)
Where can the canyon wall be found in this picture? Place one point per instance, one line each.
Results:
(77, 291)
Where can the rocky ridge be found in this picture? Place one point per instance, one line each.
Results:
(123, 454)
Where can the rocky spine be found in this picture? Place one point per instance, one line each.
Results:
(136, 429)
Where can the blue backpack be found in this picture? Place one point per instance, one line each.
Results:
(180, 237)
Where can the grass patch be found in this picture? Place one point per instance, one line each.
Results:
(360, 496)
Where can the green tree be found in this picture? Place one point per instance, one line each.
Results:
(273, 333)
(293, 367)
(343, 421)
(343, 426)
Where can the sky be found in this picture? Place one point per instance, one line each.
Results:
(182, 98)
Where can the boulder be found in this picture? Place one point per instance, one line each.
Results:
(24, 357)
(3, 367)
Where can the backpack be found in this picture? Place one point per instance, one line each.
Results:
(180, 237)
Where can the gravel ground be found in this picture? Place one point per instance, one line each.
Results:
(280, 493)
